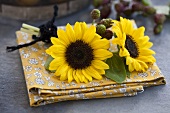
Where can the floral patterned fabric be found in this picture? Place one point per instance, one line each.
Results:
(44, 88)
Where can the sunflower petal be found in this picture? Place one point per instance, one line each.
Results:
(116, 41)
(83, 27)
(143, 64)
(148, 45)
(77, 30)
(56, 62)
(100, 71)
(98, 64)
(84, 79)
(70, 75)
(87, 75)
(57, 41)
(131, 68)
(123, 52)
(138, 32)
(70, 33)
(55, 55)
(129, 60)
(136, 65)
(92, 72)
(96, 38)
(48, 51)
(102, 54)
(150, 59)
(79, 75)
(146, 52)
(61, 69)
(76, 79)
(63, 76)
(89, 34)
(100, 44)
(142, 40)
(117, 30)
(63, 36)
(57, 48)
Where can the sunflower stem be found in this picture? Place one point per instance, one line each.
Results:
(93, 22)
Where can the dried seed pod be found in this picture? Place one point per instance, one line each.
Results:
(108, 34)
(107, 22)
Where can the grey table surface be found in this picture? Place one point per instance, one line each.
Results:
(13, 93)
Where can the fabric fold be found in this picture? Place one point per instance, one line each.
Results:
(44, 88)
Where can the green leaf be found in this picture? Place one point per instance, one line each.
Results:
(47, 63)
(117, 71)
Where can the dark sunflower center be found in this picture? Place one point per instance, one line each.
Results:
(79, 55)
(131, 46)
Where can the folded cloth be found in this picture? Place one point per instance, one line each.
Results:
(44, 87)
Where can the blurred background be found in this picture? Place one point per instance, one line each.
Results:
(40, 9)
(37, 12)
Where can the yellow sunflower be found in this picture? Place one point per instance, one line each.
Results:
(79, 53)
(134, 46)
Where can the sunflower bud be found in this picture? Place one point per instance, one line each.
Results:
(108, 34)
(137, 7)
(95, 13)
(149, 10)
(159, 18)
(158, 29)
(119, 7)
(107, 22)
(100, 29)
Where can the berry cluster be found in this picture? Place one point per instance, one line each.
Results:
(102, 27)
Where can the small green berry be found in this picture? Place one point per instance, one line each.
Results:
(95, 13)
(158, 28)
(100, 29)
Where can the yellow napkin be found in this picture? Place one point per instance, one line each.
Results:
(44, 88)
